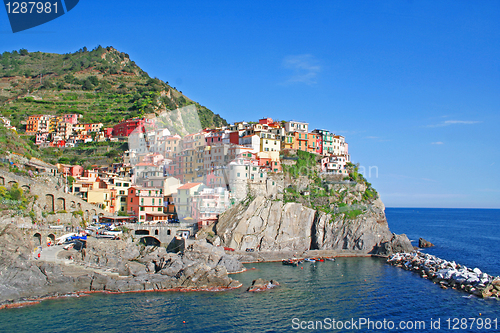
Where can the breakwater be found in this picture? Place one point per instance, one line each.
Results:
(448, 274)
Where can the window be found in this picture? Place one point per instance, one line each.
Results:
(142, 209)
(159, 209)
(131, 200)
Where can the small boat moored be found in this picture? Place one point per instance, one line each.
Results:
(309, 260)
(290, 262)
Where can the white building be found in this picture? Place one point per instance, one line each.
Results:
(251, 141)
(297, 126)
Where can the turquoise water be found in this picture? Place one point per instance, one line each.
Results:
(349, 289)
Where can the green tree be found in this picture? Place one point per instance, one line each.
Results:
(94, 80)
(87, 85)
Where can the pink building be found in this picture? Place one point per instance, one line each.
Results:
(71, 118)
(41, 137)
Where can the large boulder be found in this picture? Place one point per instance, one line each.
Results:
(397, 244)
(261, 285)
(422, 243)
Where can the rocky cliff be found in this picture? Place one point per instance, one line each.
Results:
(342, 215)
(272, 225)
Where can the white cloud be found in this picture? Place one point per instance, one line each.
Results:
(455, 122)
(304, 66)
(437, 143)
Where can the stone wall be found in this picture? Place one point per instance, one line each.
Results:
(50, 197)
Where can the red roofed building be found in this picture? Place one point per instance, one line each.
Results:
(126, 127)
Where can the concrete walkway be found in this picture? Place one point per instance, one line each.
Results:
(70, 267)
(50, 253)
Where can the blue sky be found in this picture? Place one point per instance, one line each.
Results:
(414, 86)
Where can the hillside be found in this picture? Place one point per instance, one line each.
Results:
(103, 85)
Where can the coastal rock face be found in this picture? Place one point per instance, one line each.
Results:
(20, 275)
(266, 225)
(364, 233)
(107, 265)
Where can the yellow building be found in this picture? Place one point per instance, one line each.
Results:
(103, 198)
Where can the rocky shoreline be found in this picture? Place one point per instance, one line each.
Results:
(124, 266)
(448, 274)
(108, 266)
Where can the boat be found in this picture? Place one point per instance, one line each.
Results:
(320, 259)
(331, 259)
(290, 262)
(309, 260)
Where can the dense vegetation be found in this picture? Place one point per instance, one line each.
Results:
(13, 198)
(10, 141)
(103, 85)
(339, 197)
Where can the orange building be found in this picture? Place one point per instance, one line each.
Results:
(142, 200)
(37, 123)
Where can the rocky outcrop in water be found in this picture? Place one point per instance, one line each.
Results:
(112, 266)
(422, 243)
(265, 224)
(448, 274)
(262, 285)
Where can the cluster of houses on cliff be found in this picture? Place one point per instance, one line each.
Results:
(167, 177)
(64, 131)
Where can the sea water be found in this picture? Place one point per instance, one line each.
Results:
(362, 294)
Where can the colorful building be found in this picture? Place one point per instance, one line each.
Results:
(296, 126)
(126, 127)
(142, 200)
(184, 199)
